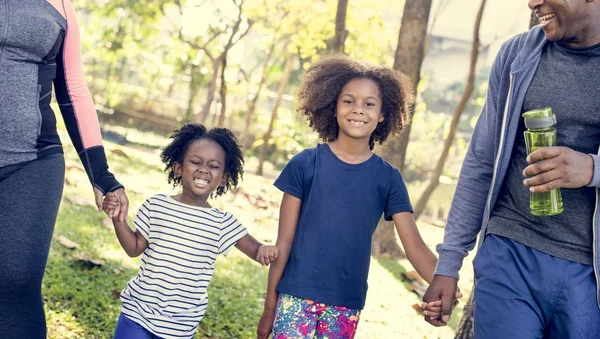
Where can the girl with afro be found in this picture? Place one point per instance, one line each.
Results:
(181, 236)
(333, 197)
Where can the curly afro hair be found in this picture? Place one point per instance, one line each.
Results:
(184, 137)
(323, 83)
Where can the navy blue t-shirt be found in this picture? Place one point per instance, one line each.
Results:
(341, 207)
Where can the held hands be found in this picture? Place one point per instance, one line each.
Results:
(557, 167)
(120, 211)
(440, 296)
(111, 205)
(267, 254)
(433, 309)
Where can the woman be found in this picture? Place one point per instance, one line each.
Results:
(39, 47)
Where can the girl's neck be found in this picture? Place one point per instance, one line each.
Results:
(192, 200)
(351, 150)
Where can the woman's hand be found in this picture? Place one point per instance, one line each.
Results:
(121, 197)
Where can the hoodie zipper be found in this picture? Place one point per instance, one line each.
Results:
(5, 33)
(594, 245)
(500, 149)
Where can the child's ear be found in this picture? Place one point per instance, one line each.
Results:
(224, 179)
(177, 169)
(380, 117)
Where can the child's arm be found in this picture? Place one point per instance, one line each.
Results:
(288, 219)
(417, 252)
(134, 243)
(420, 256)
(263, 254)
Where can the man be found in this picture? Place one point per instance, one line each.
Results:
(535, 276)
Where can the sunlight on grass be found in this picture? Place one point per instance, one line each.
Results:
(63, 325)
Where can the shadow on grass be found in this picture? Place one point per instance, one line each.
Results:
(394, 267)
(83, 302)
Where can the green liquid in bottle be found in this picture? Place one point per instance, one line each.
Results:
(547, 203)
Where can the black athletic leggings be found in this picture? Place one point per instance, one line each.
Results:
(30, 194)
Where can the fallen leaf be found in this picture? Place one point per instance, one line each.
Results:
(418, 308)
(117, 271)
(66, 242)
(119, 152)
(413, 275)
(74, 167)
(87, 261)
(116, 293)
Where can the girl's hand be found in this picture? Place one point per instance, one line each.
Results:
(433, 309)
(111, 205)
(267, 254)
(265, 325)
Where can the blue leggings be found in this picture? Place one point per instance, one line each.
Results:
(521, 293)
(30, 194)
(129, 329)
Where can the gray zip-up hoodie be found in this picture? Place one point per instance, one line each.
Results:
(40, 47)
(488, 156)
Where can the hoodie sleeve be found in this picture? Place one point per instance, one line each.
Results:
(78, 109)
(596, 176)
(469, 202)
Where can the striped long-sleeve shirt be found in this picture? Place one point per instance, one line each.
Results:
(39, 48)
(168, 297)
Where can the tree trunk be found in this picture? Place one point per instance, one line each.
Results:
(465, 326)
(408, 59)
(289, 63)
(210, 96)
(384, 243)
(533, 20)
(458, 111)
(340, 27)
(251, 104)
(223, 93)
(193, 89)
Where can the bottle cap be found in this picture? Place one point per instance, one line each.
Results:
(539, 118)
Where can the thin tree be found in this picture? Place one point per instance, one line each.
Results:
(216, 60)
(266, 68)
(287, 71)
(458, 111)
(340, 27)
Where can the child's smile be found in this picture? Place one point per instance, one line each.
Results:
(359, 108)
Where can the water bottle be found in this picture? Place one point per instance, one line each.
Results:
(541, 133)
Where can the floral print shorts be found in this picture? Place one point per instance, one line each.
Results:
(297, 318)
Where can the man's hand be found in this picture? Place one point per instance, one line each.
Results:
(445, 289)
(557, 167)
(121, 198)
(433, 310)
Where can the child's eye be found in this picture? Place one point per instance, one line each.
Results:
(370, 104)
(214, 166)
(195, 162)
(347, 101)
